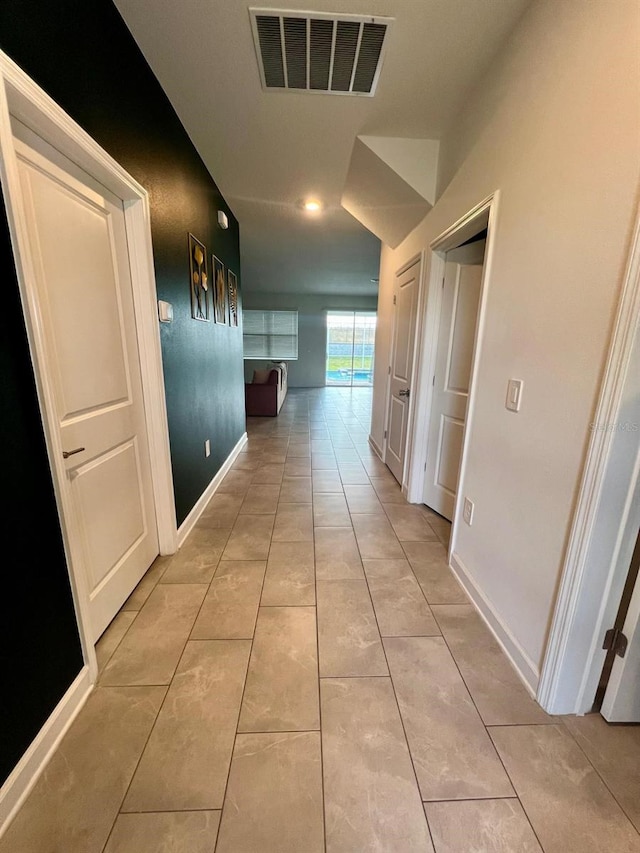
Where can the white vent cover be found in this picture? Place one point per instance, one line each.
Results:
(318, 52)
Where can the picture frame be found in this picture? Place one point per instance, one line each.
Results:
(198, 280)
(219, 291)
(232, 297)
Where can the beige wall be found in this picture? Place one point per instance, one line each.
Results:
(555, 127)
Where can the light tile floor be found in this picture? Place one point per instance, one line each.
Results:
(306, 675)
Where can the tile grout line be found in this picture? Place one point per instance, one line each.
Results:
(106, 663)
(354, 445)
(244, 687)
(604, 781)
(119, 811)
(315, 583)
(466, 603)
(508, 775)
(164, 699)
(395, 696)
(132, 610)
(315, 586)
(168, 687)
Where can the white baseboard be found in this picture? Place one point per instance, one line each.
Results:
(375, 447)
(524, 666)
(27, 771)
(190, 521)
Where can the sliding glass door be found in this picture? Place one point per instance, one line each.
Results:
(350, 346)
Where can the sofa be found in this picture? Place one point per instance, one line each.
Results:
(265, 394)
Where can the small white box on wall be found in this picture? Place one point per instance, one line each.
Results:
(165, 311)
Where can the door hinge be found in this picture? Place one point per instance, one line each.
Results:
(394, 299)
(443, 281)
(433, 381)
(389, 370)
(385, 433)
(615, 640)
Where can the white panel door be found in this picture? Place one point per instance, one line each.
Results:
(404, 330)
(78, 244)
(454, 357)
(621, 703)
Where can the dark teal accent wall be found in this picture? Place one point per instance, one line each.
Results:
(83, 55)
(40, 651)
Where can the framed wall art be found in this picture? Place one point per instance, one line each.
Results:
(219, 291)
(232, 297)
(199, 280)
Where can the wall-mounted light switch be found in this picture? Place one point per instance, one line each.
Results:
(165, 311)
(207, 447)
(514, 395)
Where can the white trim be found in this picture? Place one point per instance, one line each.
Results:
(427, 333)
(617, 705)
(490, 205)
(521, 661)
(427, 336)
(419, 259)
(374, 446)
(27, 771)
(190, 521)
(138, 224)
(22, 98)
(416, 259)
(570, 664)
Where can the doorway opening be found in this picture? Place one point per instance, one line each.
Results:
(616, 643)
(350, 348)
(447, 358)
(451, 382)
(400, 379)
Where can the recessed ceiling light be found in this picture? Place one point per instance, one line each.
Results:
(312, 206)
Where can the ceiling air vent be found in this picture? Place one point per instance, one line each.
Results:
(317, 52)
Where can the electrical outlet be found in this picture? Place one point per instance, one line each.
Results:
(467, 511)
(207, 448)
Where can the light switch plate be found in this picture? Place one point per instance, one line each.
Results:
(165, 311)
(207, 447)
(514, 395)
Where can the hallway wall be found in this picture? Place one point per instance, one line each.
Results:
(309, 370)
(83, 55)
(555, 126)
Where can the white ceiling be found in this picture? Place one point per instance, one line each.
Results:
(266, 150)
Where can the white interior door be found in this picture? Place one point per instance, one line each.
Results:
(404, 330)
(621, 703)
(78, 246)
(454, 357)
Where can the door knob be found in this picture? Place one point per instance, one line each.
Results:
(406, 392)
(67, 453)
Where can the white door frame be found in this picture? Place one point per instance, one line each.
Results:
(22, 98)
(483, 214)
(416, 259)
(597, 558)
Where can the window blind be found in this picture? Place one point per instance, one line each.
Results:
(270, 334)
